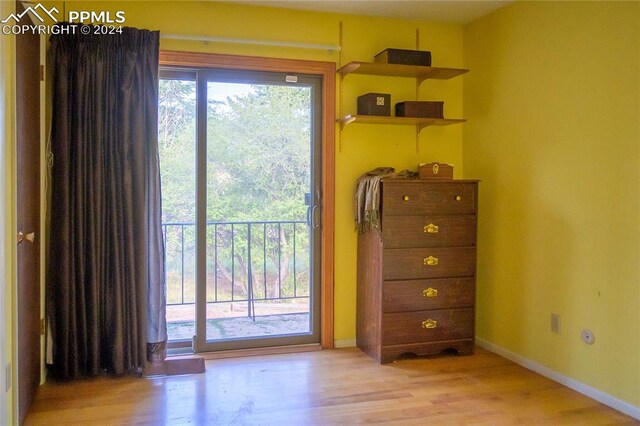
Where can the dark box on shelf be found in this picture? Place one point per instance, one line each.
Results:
(435, 171)
(421, 109)
(374, 104)
(404, 57)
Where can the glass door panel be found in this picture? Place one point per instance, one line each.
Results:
(177, 148)
(260, 219)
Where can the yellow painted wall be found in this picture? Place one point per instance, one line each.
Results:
(7, 218)
(360, 147)
(553, 102)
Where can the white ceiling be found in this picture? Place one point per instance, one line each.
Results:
(452, 11)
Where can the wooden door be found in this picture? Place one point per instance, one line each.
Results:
(28, 215)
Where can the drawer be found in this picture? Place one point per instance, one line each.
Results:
(427, 326)
(422, 295)
(400, 198)
(428, 231)
(437, 262)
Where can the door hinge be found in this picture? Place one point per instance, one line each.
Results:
(42, 328)
(41, 72)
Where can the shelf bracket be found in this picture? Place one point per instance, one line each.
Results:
(346, 121)
(341, 84)
(421, 79)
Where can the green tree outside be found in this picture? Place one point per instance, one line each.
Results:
(258, 169)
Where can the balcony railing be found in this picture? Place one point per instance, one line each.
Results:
(245, 262)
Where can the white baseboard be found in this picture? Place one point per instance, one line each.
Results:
(593, 393)
(346, 343)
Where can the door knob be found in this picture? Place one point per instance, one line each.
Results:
(31, 236)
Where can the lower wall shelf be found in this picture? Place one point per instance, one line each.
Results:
(419, 122)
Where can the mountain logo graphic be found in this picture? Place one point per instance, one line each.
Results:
(34, 12)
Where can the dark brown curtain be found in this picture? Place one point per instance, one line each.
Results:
(105, 279)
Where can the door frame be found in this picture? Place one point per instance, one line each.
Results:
(327, 71)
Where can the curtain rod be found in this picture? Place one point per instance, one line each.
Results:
(251, 41)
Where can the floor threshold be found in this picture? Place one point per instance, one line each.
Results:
(271, 350)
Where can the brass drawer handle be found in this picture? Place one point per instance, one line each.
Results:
(430, 292)
(405, 198)
(430, 261)
(458, 198)
(429, 323)
(431, 229)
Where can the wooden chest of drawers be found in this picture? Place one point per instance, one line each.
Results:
(416, 278)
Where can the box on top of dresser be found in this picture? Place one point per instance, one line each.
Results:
(435, 171)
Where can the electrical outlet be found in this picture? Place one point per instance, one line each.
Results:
(588, 337)
(555, 323)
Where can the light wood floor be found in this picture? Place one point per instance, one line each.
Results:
(328, 387)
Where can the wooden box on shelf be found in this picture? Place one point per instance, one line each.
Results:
(426, 109)
(374, 104)
(404, 57)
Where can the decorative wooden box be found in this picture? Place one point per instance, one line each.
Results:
(404, 57)
(425, 109)
(435, 171)
(374, 104)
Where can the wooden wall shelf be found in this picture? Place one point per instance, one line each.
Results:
(418, 72)
(420, 123)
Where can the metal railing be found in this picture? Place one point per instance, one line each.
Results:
(247, 261)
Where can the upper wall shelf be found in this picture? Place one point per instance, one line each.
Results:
(418, 72)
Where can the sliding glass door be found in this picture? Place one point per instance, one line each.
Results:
(256, 227)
